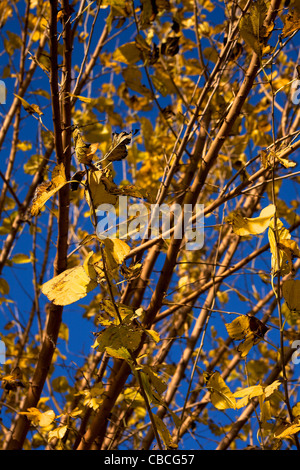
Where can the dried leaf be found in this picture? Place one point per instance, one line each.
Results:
(118, 150)
(291, 23)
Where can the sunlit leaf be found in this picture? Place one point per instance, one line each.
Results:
(29, 108)
(220, 394)
(57, 433)
(164, 432)
(47, 189)
(115, 251)
(13, 380)
(118, 336)
(38, 418)
(279, 263)
(244, 226)
(84, 152)
(238, 328)
(69, 286)
(286, 431)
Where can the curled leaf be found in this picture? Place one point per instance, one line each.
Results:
(47, 189)
(220, 394)
(244, 226)
(29, 108)
(118, 150)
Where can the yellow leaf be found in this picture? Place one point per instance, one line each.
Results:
(118, 336)
(29, 108)
(282, 264)
(4, 287)
(248, 328)
(238, 328)
(69, 286)
(245, 346)
(38, 418)
(46, 418)
(164, 432)
(21, 259)
(246, 394)
(252, 27)
(221, 396)
(244, 226)
(291, 294)
(272, 388)
(47, 189)
(286, 431)
(82, 149)
(291, 23)
(81, 98)
(128, 53)
(154, 335)
(97, 190)
(57, 433)
(115, 252)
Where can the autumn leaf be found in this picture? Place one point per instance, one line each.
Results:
(69, 286)
(281, 257)
(97, 193)
(244, 226)
(255, 391)
(128, 53)
(248, 328)
(252, 27)
(118, 336)
(291, 23)
(287, 430)
(29, 108)
(57, 433)
(164, 433)
(84, 152)
(47, 189)
(13, 380)
(115, 252)
(38, 418)
(291, 294)
(118, 150)
(220, 394)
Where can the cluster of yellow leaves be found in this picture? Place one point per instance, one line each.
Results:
(222, 397)
(46, 420)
